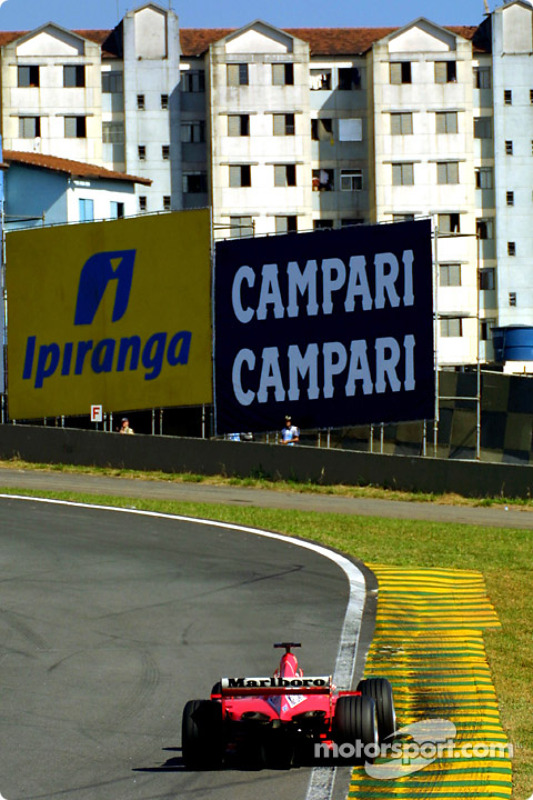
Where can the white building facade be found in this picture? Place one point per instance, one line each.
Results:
(290, 130)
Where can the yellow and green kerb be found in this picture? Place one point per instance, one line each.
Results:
(429, 643)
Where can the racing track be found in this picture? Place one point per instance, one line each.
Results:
(110, 621)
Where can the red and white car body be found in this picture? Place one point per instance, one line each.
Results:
(282, 714)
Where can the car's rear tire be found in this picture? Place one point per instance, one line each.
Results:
(381, 692)
(355, 721)
(202, 739)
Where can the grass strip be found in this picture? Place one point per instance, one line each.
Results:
(340, 490)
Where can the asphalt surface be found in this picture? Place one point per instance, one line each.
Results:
(110, 622)
(263, 498)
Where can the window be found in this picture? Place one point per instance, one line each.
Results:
(165, 152)
(28, 76)
(450, 275)
(403, 217)
(141, 105)
(400, 72)
(240, 227)
(487, 279)
(511, 248)
(193, 81)
(508, 147)
(320, 79)
(75, 127)
(451, 326)
(166, 202)
(449, 223)
(351, 129)
(237, 74)
(445, 72)
(164, 101)
(113, 132)
(508, 97)
(482, 78)
(238, 125)
(73, 75)
(322, 129)
(403, 174)
(193, 131)
(112, 82)
(482, 128)
(141, 149)
(485, 228)
(282, 74)
(142, 202)
(351, 180)
(195, 182)
(346, 222)
(240, 175)
(284, 174)
(349, 78)
(484, 178)
(512, 298)
(401, 124)
(486, 329)
(86, 208)
(283, 124)
(323, 180)
(446, 122)
(322, 224)
(509, 198)
(448, 172)
(287, 224)
(117, 210)
(29, 127)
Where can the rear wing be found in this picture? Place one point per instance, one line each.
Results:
(246, 687)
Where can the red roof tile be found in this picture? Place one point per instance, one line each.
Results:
(195, 41)
(6, 37)
(97, 36)
(76, 169)
(322, 41)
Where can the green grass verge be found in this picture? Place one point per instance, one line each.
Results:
(279, 485)
(504, 556)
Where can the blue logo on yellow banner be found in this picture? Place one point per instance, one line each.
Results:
(99, 270)
(109, 354)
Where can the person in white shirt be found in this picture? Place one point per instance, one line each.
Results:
(290, 433)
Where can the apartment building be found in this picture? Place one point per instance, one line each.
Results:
(291, 130)
(110, 98)
(512, 98)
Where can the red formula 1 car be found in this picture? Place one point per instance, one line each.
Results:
(273, 720)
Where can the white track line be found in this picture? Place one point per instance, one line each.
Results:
(322, 780)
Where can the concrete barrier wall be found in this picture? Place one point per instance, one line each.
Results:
(174, 454)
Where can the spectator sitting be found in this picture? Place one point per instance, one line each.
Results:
(125, 427)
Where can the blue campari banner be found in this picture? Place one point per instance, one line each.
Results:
(332, 327)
